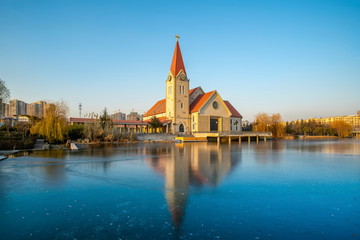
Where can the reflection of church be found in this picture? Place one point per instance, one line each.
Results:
(187, 111)
(187, 165)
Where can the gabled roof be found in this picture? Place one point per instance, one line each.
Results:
(200, 101)
(234, 112)
(177, 61)
(158, 108)
(191, 91)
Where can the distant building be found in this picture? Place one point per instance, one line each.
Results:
(23, 119)
(133, 116)
(35, 109)
(353, 120)
(5, 110)
(17, 107)
(118, 116)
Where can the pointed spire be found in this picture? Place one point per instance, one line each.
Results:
(177, 62)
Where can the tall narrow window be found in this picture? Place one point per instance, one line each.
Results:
(183, 87)
(180, 89)
(181, 105)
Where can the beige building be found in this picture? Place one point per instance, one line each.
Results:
(353, 120)
(35, 109)
(118, 116)
(189, 111)
(5, 110)
(133, 116)
(17, 107)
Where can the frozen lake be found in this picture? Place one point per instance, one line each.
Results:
(269, 190)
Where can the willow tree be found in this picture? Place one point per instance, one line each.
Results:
(269, 123)
(53, 126)
(262, 122)
(277, 128)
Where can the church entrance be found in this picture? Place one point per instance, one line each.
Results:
(181, 128)
(214, 124)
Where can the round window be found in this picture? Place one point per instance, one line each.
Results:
(215, 104)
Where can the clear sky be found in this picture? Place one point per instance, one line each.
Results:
(297, 58)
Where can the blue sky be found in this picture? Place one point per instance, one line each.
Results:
(297, 58)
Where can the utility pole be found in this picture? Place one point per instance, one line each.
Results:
(80, 107)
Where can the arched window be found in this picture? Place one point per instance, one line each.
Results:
(181, 127)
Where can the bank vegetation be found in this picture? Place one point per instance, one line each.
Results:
(273, 123)
(54, 128)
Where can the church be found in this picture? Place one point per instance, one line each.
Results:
(187, 111)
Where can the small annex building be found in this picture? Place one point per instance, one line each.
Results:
(190, 111)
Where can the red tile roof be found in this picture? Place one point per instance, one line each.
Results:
(234, 112)
(163, 120)
(200, 101)
(191, 91)
(116, 122)
(159, 107)
(177, 62)
(83, 120)
(127, 122)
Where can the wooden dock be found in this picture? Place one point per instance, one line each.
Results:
(226, 137)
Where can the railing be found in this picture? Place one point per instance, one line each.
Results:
(237, 133)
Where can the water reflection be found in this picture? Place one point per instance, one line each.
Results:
(337, 146)
(132, 190)
(185, 165)
(270, 151)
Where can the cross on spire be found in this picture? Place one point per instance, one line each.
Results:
(177, 62)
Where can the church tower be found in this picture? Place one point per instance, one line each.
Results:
(177, 94)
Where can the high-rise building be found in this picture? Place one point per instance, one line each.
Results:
(5, 110)
(17, 107)
(35, 109)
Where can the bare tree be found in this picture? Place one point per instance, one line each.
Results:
(4, 91)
